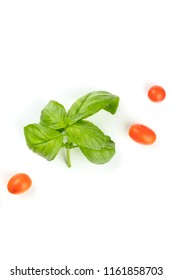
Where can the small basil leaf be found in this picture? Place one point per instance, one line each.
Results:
(91, 103)
(86, 134)
(43, 140)
(100, 156)
(53, 115)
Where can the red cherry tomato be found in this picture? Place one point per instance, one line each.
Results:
(156, 93)
(19, 183)
(142, 134)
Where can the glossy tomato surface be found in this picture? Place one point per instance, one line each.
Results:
(156, 93)
(19, 183)
(142, 134)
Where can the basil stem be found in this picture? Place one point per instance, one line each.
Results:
(68, 159)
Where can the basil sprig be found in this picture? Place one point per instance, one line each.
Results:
(58, 128)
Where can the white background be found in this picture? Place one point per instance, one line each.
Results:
(88, 216)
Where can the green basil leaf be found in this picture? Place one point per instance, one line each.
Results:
(86, 134)
(91, 103)
(53, 115)
(100, 156)
(43, 140)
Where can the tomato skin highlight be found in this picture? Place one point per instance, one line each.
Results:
(156, 93)
(19, 183)
(142, 134)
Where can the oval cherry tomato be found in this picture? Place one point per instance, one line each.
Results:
(142, 134)
(19, 183)
(156, 93)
